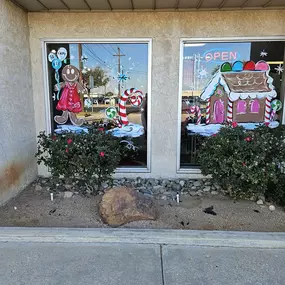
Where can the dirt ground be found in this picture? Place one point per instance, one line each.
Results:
(34, 209)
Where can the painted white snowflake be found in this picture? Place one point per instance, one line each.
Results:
(203, 73)
(84, 58)
(279, 69)
(263, 53)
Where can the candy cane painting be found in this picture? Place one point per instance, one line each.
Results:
(135, 97)
(208, 112)
(267, 110)
(230, 111)
(120, 119)
(196, 110)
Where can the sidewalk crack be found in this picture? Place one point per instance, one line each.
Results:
(161, 264)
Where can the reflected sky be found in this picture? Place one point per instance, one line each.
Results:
(134, 63)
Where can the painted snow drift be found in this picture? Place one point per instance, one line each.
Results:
(240, 92)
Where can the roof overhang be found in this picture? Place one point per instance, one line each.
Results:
(145, 5)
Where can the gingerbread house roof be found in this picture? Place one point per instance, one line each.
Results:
(242, 81)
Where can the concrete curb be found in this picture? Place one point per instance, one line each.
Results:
(140, 236)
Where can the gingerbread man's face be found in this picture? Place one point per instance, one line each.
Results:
(70, 73)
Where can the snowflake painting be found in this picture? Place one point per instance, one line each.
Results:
(203, 73)
(263, 53)
(279, 69)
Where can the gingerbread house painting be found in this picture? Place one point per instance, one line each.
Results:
(239, 92)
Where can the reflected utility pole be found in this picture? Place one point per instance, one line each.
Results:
(119, 54)
(80, 71)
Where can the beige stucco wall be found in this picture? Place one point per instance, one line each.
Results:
(17, 141)
(166, 29)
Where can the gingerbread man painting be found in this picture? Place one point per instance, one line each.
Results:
(69, 102)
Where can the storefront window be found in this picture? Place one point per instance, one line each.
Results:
(224, 83)
(104, 85)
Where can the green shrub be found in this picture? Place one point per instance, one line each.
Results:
(245, 162)
(90, 157)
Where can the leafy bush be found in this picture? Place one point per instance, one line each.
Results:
(90, 157)
(246, 162)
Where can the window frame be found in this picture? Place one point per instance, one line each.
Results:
(196, 170)
(47, 97)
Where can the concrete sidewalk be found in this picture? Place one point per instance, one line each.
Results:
(129, 257)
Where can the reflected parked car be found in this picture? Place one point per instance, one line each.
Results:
(106, 101)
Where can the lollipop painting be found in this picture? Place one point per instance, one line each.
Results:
(276, 105)
(112, 115)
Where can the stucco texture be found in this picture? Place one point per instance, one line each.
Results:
(18, 141)
(166, 29)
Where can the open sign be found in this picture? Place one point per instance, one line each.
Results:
(221, 56)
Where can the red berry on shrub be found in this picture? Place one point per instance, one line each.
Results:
(248, 139)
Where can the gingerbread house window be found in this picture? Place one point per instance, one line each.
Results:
(254, 108)
(241, 107)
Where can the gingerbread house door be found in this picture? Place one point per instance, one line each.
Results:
(218, 105)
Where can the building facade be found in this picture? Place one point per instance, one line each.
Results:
(28, 37)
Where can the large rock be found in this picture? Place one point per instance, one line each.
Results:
(122, 205)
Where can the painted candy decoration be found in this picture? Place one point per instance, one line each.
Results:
(135, 97)
(262, 65)
(208, 111)
(249, 65)
(196, 109)
(276, 105)
(136, 100)
(56, 64)
(237, 66)
(62, 53)
(111, 113)
(226, 67)
(51, 57)
(267, 110)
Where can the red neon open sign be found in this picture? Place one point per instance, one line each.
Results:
(223, 56)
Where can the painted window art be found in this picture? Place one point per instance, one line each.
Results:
(228, 82)
(255, 106)
(104, 85)
(241, 107)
